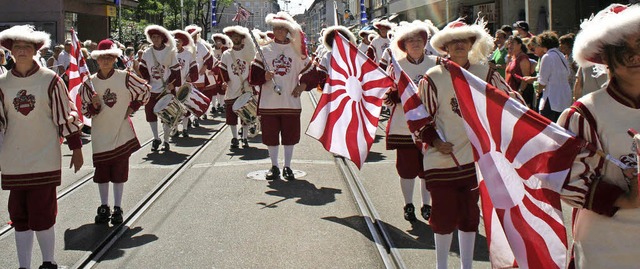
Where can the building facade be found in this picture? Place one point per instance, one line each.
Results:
(258, 8)
(90, 18)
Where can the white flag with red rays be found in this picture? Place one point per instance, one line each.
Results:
(523, 159)
(346, 118)
(78, 73)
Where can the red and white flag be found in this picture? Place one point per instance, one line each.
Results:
(241, 14)
(78, 73)
(415, 112)
(524, 160)
(346, 118)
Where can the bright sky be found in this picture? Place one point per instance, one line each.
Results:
(295, 6)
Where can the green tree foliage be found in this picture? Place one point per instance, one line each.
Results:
(167, 14)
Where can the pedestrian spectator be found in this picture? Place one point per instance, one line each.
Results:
(507, 29)
(553, 77)
(40, 57)
(519, 67)
(3, 62)
(92, 64)
(523, 29)
(43, 107)
(128, 58)
(136, 61)
(64, 59)
(566, 47)
(10, 61)
(499, 56)
(53, 63)
(606, 223)
(588, 80)
(115, 95)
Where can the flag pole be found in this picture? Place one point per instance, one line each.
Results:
(120, 20)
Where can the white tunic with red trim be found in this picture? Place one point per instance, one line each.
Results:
(187, 61)
(112, 133)
(378, 45)
(397, 132)
(604, 236)
(37, 112)
(288, 66)
(438, 95)
(237, 70)
(159, 66)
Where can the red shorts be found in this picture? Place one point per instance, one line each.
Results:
(231, 117)
(116, 171)
(33, 209)
(148, 108)
(455, 205)
(274, 126)
(409, 163)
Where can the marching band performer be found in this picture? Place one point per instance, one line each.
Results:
(35, 112)
(606, 224)
(221, 43)
(188, 68)
(453, 188)
(159, 66)
(118, 93)
(380, 43)
(285, 63)
(408, 48)
(364, 39)
(234, 70)
(204, 61)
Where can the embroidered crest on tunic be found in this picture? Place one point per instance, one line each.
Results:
(157, 71)
(238, 67)
(24, 103)
(281, 64)
(109, 98)
(455, 107)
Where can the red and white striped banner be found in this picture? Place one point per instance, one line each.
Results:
(78, 73)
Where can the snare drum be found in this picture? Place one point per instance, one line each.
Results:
(183, 92)
(196, 102)
(169, 110)
(246, 108)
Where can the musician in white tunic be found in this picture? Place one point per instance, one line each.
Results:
(234, 70)
(408, 48)
(114, 96)
(222, 44)
(188, 71)
(453, 187)
(287, 63)
(606, 227)
(35, 112)
(159, 66)
(364, 39)
(381, 42)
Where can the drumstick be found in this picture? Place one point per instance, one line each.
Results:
(164, 89)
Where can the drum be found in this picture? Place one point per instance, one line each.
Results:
(246, 108)
(183, 92)
(169, 110)
(196, 102)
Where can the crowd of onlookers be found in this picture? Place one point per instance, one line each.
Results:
(541, 68)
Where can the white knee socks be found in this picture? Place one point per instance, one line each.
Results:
(234, 131)
(466, 241)
(288, 155)
(103, 188)
(273, 154)
(167, 132)
(118, 189)
(154, 130)
(24, 245)
(47, 242)
(426, 196)
(406, 185)
(443, 244)
(245, 131)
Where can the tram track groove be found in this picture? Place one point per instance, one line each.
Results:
(379, 233)
(92, 258)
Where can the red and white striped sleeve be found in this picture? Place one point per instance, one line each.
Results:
(585, 188)
(429, 95)
(63, 110)
(139, 90)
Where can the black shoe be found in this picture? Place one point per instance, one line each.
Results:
(425, 211)
(50, 265)
(104, 213)
(155, 144)
(220, 109)
(204, 117)
(287, 173)
(196, 122)
(166, 147)
(410, 212)
(185, 134)
(273, 174)
(175, 134)
(245, 143)
(240, 132)
(234, 143)
(116, 217)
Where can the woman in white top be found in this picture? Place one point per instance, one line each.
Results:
(553, 77)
